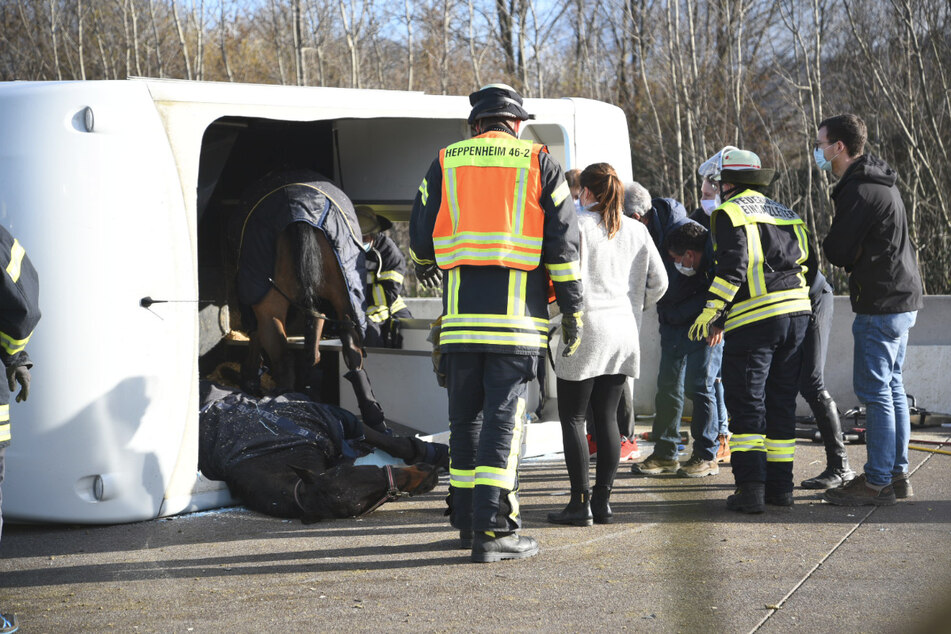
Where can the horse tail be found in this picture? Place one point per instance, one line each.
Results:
(308, 264)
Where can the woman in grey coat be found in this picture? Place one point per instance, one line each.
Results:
(622, 274)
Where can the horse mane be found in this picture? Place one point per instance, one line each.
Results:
(307, 264)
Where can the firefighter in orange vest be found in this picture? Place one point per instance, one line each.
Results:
(495, 216)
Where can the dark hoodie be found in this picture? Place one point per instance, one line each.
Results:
(685, 295)
(869, 237)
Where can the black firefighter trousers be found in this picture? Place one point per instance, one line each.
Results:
(761, 367)
(487, 415)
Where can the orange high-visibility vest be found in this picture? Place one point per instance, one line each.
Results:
(490, 213)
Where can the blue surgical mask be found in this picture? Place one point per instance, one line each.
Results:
(821, 161)
(709, 205)
(684, 270)
(367, 246)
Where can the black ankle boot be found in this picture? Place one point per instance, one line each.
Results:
(600, 508)
(750, 497)
(578, 511)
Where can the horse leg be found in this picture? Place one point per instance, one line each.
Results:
(409, 450)
(333, 288)
(271, 313)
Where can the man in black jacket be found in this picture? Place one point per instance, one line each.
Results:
(869, 237)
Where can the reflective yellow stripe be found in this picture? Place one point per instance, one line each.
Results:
(450, 178)
(391, 276)
(721, 288)
(518, 209)
(516, 298)
(419, 260)
(11, 345)
(768, 299)
(747, 442)
(16, 260)
(773, 310)
(461, 478)
(481, 240)
(561, 192)
(564, 271)
(476, 320)
(5, 432)
(755, 275)
(495, 252)
(424, 192)
(803, 236)
(780, 450)
(452, 292)
(524, 340)
(4, 413)
(507, 477)
(397, 305)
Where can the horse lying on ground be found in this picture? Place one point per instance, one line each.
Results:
(290, 457)
(300, 243)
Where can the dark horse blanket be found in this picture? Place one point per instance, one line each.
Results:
(297, 196)
(234, 427)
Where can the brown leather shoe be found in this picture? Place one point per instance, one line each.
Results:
(859, 493)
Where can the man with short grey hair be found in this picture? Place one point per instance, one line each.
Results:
(637, 200)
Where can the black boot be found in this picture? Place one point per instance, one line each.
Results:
(578, 511)
(600, 507)
(750, 497)
(837, 471)
(489, 547)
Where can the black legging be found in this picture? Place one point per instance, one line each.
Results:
(604, 393)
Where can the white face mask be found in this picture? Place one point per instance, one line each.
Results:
(684, 270)
(708, 205)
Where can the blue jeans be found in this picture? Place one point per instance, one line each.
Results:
(879, 352)
(691, 367)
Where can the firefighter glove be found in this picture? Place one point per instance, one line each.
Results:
(571, 327)
(712, 311)
(428, 275)
(19, 374)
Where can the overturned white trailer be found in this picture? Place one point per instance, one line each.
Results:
(113, 187)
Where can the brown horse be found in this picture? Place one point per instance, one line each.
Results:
(288, 456)
(301, 244)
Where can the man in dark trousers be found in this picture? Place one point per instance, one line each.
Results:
(494, 213)
(760, 302)
(19, 313)
(869, 237)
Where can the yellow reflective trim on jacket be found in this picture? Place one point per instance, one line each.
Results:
(4, 412)
(518, 209)
(16, 260)
(723, 289)
(424, 192)
(751, 206)
(487, 255)
(755, 258)
(450, 179)
(780, 450)
(564, 271)
(452, 292)
(747, 442)
(390, 276)
(419, 260)
(476, 239)
(489, 152)
(5, 432)
(767, 312)
(803, 236)
(10, 345)
(516, 295)
(475, 320)
(561, 192)
(521, 339)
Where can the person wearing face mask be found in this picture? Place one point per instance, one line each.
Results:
(758, 304)
(869, 237)
(384, 281)
(687, 368)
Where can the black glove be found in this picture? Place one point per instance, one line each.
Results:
(571, 326)
(19, 374)
(428, 275)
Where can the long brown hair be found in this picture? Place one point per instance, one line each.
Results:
(602, 181)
